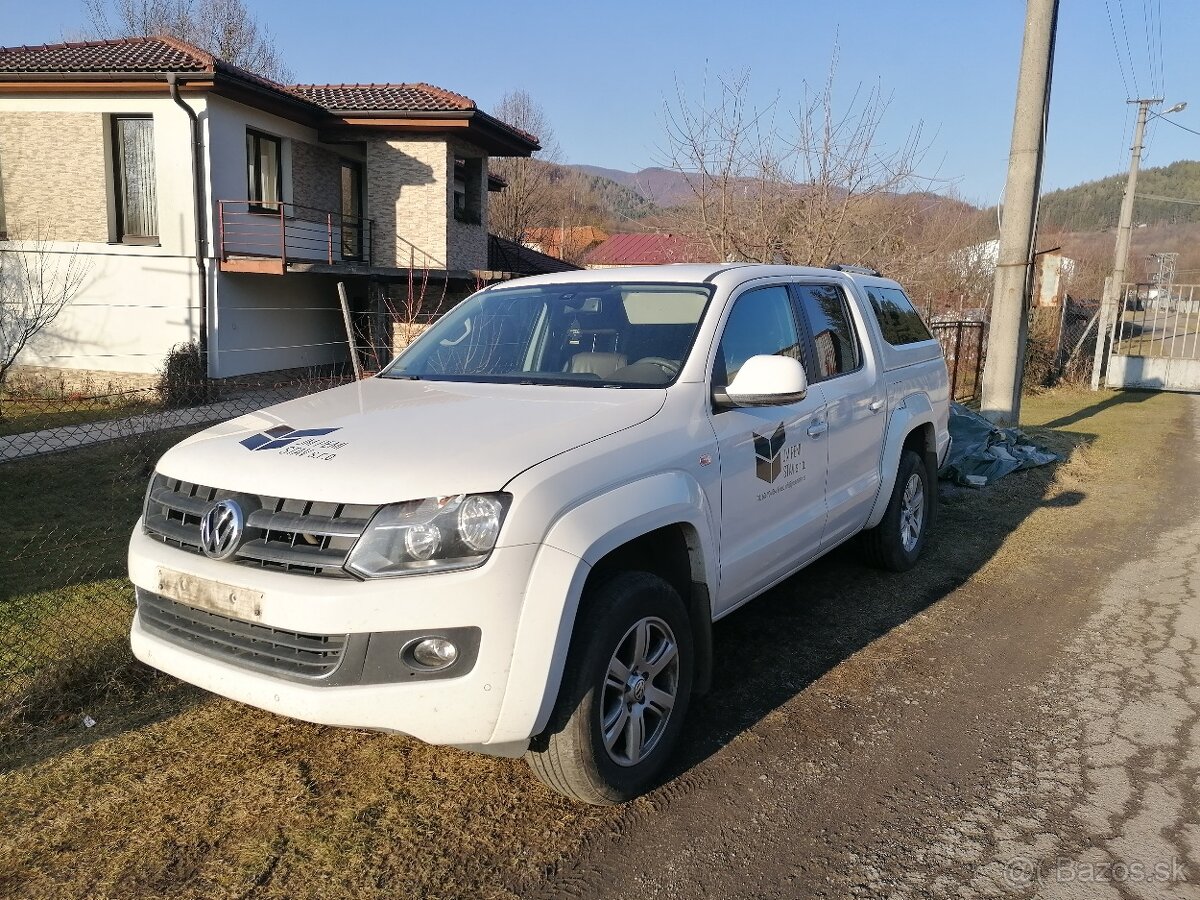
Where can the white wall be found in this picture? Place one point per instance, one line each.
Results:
(137, 301)
(269, 322)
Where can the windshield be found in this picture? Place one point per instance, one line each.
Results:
(598, 334)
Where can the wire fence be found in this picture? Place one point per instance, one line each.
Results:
(73, 471)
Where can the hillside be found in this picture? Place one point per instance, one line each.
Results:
(663, 187)
(1096, 205)
(621, 201)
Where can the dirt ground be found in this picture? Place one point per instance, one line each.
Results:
(1016, 715)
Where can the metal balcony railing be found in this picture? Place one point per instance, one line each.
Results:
(290, 232)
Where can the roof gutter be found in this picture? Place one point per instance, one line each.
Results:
(201, 211)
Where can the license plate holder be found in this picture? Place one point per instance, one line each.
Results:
(214, 596)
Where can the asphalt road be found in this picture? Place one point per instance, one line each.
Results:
(1034, 735)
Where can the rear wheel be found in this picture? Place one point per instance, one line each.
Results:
(896, 542)
(624, 693)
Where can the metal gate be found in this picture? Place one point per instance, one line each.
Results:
(1155, 340)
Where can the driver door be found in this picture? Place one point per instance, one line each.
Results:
(773, 458)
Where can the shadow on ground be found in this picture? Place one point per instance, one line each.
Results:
(772, 649)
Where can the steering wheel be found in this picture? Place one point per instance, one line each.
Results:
(667, 365)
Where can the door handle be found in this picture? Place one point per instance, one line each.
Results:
(816, 429)
(876, 405)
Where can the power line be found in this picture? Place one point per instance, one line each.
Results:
(1120, 62)
(1176, 124)
(1162, 199)
(1149, 51)
(1128, 48)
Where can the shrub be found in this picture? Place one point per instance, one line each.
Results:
(183, 379)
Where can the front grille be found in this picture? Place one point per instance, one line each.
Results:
(304, 536)
(274, 650)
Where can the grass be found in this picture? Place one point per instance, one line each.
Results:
(65, 604)
(177, 793)
(18, 416)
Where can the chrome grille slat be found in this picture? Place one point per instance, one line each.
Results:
(176, 533)
(262, 646)
(274, 531)
(183, 503)
(306, 524)
(284, 555)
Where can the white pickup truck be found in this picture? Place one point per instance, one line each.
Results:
(516, 538)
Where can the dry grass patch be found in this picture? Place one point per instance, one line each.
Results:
(185, 795)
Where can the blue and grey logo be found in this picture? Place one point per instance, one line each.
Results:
(281, 436)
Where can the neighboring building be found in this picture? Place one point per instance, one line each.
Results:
(565, 243)
(1051, 276)
(643, 250)
(519, 259)
(301, 187)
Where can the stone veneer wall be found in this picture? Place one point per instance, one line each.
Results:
(467, 245)
(407, 197)
(54, 175)
(316, 177)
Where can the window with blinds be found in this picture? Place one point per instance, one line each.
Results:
(263, 155)
(136, 191)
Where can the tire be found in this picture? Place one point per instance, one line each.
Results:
(895, 543)
(616, 617)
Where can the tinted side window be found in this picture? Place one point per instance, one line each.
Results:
(760, 323)
(832, 330)
(899, 321)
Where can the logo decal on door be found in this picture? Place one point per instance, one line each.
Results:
(766, 453)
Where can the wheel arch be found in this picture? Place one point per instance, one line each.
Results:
(910, 427)
(662, 524)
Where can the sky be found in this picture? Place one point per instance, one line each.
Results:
(602, 71)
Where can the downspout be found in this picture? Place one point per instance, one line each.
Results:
(201, 212)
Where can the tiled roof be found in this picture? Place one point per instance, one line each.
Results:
(136, 55)
(509, 256)
(141, 54)
(414, 97)
(644, 250)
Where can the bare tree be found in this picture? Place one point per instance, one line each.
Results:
(810, 188)
(225, 28)
(528, 198)
(37, 282)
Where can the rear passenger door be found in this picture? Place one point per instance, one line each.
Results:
(855, 405)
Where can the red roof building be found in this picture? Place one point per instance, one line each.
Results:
(644, 250)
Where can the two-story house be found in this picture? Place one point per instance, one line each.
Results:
(215, 206)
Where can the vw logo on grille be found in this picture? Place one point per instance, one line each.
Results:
(221, 530)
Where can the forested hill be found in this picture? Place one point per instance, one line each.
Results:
(1096, 205)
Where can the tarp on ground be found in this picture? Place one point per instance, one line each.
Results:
(982, 453)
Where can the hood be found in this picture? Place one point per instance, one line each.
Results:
(383, 440)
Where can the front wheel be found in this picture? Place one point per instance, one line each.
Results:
(624, 693)
(896, 542)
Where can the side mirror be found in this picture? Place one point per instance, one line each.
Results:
(765, 381)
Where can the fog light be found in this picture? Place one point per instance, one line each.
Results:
(434, 653)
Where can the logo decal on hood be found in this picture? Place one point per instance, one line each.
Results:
(281, 436)
(766, 453)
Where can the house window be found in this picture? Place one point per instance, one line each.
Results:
(135, 189)
(352, 225)
(263, 171)
(468, 190)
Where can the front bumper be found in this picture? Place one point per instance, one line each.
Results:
(461, 710)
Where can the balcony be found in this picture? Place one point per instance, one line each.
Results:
(273, 238)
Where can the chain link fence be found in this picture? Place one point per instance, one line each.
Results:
(73, 473)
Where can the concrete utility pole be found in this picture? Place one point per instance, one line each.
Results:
(1009, 323)
(1112, 295)
(1111, 301)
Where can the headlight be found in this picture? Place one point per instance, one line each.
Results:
(437, 534)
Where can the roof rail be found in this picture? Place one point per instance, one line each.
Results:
(856, 270)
